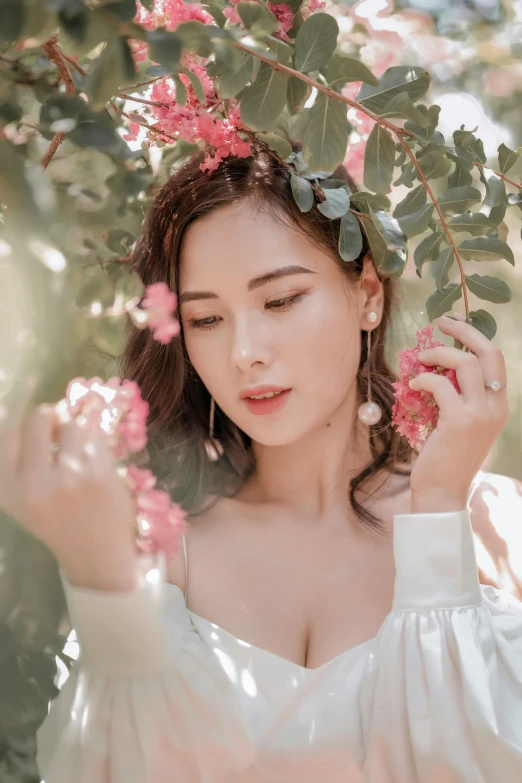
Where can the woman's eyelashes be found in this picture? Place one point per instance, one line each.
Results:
(277, 305)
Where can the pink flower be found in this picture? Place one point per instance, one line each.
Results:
(134, 129)
(170, 13)
(285, 17)
(160, 523)
(115, 407)
(415, 413)
(316, 5)
(159, 304)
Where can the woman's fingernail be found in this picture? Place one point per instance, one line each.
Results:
(445, 319)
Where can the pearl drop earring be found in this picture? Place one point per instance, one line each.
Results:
(213, 446)
(369, 412)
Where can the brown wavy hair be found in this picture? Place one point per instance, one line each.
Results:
(179, 402)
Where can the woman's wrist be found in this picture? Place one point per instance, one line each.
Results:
(436, 504)
(119, 575)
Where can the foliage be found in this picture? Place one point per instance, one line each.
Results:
(75, 185)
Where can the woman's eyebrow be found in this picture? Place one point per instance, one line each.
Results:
(256, 282)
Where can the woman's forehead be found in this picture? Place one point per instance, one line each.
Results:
(236, 240)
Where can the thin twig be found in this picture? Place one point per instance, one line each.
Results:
(442, 220)
(55, 55)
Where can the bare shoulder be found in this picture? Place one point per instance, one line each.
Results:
(199, 529)
(496, 519)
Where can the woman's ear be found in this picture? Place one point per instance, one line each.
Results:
(371, 291)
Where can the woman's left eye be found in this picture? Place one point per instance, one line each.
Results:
(283, 304)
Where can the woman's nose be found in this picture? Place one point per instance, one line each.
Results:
(250, 342)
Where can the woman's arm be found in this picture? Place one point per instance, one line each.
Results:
(146, 702)
(441, 699)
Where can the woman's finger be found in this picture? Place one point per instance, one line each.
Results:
(467, 368)
(490, 357)
(446, 395)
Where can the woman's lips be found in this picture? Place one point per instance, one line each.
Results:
(267, 405)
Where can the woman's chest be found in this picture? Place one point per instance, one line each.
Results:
(304, 596)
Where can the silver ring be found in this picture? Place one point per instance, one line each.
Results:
(495, 385)
(54, 446)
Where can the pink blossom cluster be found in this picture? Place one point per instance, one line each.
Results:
(415, 413)
(156, 313)
(285, 16)
(159, 522)
(194, 122)
(117, 409)
(170, 13)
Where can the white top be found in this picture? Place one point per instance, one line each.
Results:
(160, 695)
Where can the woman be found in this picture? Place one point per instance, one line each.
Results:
(333, 627)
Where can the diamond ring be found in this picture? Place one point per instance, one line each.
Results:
(495, 385)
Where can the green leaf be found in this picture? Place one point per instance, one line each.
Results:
(379, 160)
(440, 268)
(199, 91)
(486, 249)
(427, 249)
(336, 204)
(496, 192)
(475, 223)
(462, 156)
(181, 90)
(401, 105)
(302, 192)
(350, 237)
(484, 322)
(164, 47)
(391, 232)
(326, 135)
(400, 78)
(434, 164)
(277, 143)
(442, 301)
(342, 70)
(112, 69)
(263, 101)
(232, 81)
(194, 37)
(460, 178)
(414, 200)
(297, 94)
(506, 158)
(417, 222)
(315, 42)
(489, 288)
(257, 18)
(459, 199)
(11, 19)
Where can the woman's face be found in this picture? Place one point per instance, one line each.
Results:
(247, 323)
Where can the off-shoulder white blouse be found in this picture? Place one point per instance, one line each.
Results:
(161, 695)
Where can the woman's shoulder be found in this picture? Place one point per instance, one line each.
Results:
(215, 511)
(496, 519)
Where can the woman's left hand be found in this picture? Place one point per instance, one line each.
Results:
(468, 424)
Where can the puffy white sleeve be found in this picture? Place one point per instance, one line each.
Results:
(146, 701)
(441, 700)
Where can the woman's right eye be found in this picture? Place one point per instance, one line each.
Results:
(204, 323)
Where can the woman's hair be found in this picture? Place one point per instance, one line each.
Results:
(179, 402)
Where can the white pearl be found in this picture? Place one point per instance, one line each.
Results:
(371, 317)
(369, 412)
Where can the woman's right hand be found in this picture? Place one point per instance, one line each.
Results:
(72, 499)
